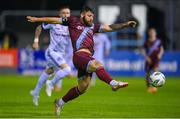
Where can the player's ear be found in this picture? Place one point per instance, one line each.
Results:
(82, 14)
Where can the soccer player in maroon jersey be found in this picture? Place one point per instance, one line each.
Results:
(81, 31)
(153, 51)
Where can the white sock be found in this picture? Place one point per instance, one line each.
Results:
(60, 74)
(61, 102)
(42, 79)
(114, 83)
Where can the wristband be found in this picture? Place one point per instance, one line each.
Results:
(36, 40)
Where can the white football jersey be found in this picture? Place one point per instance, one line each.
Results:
(101, 44)
(59, 37)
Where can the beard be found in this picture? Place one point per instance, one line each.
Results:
(86, 22)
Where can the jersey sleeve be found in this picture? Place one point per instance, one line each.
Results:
(46, 26)
(160, 44)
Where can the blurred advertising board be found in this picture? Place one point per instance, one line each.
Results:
(128, 63)
(118, 63)
(31, 62)
(8, 58)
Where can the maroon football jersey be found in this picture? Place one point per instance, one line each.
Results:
(81, 34)
(152, 48)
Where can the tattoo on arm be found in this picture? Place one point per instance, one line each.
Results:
(38, 31)
(118, 26)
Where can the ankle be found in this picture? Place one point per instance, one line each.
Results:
(60, 102)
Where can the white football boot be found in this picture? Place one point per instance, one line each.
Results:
(58, 108)
(35, 98)
(120, 85)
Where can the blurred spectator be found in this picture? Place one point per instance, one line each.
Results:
(8, 40)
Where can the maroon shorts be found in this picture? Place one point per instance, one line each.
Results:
(153, 65)
(81, 60)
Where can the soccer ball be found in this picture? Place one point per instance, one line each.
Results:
(157, 79)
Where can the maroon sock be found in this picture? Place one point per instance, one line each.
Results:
(71, 94)
(103, 75)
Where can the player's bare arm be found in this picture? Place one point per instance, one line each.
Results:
(148, 59)
(52, 20)
(37, 35)
(161, 52)
(118, 26)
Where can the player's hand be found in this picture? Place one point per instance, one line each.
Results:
(106, 52)
(31, 19)
(35, 45)
(131, 24)
(149, 60)
(159, 57)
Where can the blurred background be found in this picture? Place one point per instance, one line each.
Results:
(124, 58)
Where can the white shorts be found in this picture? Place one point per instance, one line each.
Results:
(54, 59)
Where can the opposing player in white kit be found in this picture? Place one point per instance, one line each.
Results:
(102, 47)
(59, 39)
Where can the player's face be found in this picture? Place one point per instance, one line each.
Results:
(152, 34)
(88, 18)
(64, 12)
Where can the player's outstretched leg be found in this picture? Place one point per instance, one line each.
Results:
(97, 67)
(42, 79)
(72, 94)
(151, 89)
(58, 76)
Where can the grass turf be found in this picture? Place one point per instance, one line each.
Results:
(98, 102)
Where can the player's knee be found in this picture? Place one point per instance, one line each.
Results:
(95, 65)
(156, 69)
(49, 71)
(67, 70)
(98, 64)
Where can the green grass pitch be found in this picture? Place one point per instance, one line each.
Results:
(98, 102)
